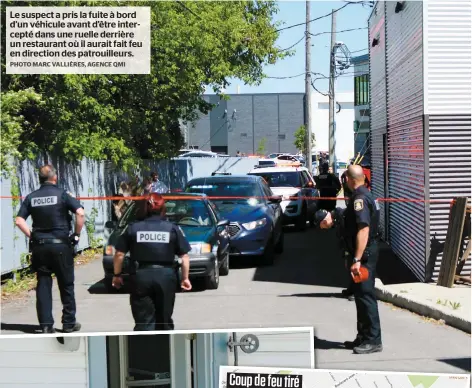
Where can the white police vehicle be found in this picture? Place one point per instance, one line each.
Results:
(298, 190)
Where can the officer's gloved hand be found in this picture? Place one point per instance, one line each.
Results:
(74, 239)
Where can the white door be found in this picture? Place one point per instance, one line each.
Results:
(155, 360)
(42, 362)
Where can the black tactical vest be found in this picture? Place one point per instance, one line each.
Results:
(49, 212)
(153, 241)
(350, 217)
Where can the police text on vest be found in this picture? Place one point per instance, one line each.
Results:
(43, 201)
(153, 237)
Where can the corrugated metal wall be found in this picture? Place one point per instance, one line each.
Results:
(93, 179)
(378, 103)
(405, 133)
(447, 62)
(449, 172)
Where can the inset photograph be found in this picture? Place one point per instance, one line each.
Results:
(147, 360)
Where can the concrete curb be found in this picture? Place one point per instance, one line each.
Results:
(401, 300)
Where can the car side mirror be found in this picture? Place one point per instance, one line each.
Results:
(275, 199)
(110, 224)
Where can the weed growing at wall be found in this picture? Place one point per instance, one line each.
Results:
(90, 227)
(15, 202)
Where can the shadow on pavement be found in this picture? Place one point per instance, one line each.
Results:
(102, 288)
(322, 344)
(317, 295)
(462, 363)
(24, 328)
(390, 269)
(311, 257)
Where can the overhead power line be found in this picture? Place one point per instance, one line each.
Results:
(337, 32)
(287, 77)
(293, 45)
(315, 19)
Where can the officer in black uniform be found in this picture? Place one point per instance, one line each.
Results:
(335, 218)
(52, 249)
(153, 244)
(328, 185)
(361, 231)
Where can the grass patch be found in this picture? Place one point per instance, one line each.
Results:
(26, 278)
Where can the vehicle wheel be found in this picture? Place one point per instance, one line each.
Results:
(269, 253)
(224, 269)
(301, 223)
(279, 248)
(213, 281)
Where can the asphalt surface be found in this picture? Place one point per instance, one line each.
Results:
(301, 289)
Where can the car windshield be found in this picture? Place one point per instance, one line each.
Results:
(281, 179)
(188, 212)
(185, 212)
(237, 190)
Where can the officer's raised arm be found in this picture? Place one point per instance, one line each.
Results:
(182, 248)
(22, 216)
(74, 206)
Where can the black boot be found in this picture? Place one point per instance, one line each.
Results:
(48, 330)
(368, 348)
(76, 327)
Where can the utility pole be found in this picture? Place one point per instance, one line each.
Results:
(308, 87)
(332, 101)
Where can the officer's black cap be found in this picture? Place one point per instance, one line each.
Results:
(320, 215)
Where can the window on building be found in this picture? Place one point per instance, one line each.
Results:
(361, 90)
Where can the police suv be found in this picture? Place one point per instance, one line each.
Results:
(298, 191)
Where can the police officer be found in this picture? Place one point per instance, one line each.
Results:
(361, 219)
(328, 185)
(335, 218)
(52, 249)
(153, 244)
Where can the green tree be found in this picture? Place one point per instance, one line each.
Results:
(127, 118)
(261, 148)
(300, 139)
(14, 124)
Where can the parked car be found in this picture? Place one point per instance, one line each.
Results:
(274, 155)
(199, 154)
(253, 210)
(340, 168)
(298, 191)
(287, 160)
(203, 227)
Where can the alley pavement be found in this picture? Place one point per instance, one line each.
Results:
(301, 289)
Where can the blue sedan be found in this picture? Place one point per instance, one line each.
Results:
(254, 213)
(205, 231)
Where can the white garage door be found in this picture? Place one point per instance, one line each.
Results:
(42, 362)
(278, 349)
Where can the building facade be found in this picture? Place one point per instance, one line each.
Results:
(361, 108)
(343, 119)
(248, 123)
(145, 360)
(420, 121)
